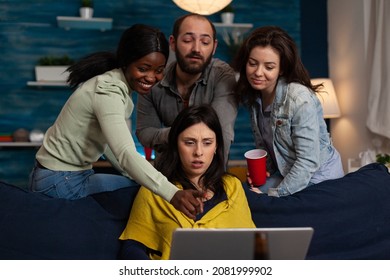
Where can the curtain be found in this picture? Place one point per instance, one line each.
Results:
(378, 58)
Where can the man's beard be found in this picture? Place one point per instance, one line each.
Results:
(192, 69)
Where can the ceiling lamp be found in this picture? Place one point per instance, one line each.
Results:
(202, 7)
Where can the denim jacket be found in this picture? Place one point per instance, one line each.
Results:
(301, 141)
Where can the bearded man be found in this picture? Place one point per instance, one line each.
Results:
(194, 78)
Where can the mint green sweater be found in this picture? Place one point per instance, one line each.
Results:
(92, 123)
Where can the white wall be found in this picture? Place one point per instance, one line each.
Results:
(348, 70)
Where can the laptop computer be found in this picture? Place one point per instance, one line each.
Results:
(241, 244)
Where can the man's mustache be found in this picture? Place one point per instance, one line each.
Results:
(195, 55)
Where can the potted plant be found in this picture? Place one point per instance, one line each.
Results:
(86, 9)
(53, 68)
(384, 159)
(227, 14)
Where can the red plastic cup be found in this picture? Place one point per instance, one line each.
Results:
(256, 162)
(148, 153)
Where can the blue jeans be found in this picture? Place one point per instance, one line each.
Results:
(272, 183)
(75, 184)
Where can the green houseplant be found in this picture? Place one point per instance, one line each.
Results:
(53, 68)
(384, 159)
(87, 3)
(51, 60)
(228, 9)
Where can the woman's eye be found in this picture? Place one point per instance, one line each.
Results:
(251, 64)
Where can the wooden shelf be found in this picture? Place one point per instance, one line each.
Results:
(84, 23)
(232, 33)
(47, 84)
(237, 28)
(20, 144)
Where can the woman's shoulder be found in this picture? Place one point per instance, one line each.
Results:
(233, 187)
(111, 76)
(299, 94)
(231, 180)
(230, 176)
(112, 81)
(298, 89)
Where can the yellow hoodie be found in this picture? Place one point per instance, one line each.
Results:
(152, 220)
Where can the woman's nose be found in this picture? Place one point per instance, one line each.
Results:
(198, 151)
(151, 78)
(259, 72)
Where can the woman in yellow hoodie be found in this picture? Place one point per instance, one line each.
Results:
(194, 159)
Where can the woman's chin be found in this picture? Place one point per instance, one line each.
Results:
(142, 91)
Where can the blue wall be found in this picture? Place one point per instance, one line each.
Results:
(28, 31)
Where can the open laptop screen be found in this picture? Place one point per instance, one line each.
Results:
(241, 244)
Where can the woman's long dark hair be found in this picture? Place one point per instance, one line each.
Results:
(291, 66)
(136, 42)
(170, 164)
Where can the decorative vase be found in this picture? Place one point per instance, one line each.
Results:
(86, 12)
(227, 18)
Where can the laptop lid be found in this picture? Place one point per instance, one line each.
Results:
(241, 244)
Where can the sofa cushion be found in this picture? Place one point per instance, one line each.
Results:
(34, 226)
(350, 215)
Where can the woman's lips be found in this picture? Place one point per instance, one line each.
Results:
(258, 82)
(197, 164)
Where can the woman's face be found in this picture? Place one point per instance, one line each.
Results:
(145, 72)
(263, 69)
(196, 145)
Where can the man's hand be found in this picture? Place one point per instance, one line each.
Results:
(188, 202)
